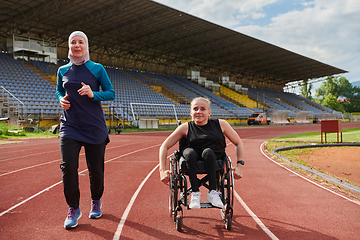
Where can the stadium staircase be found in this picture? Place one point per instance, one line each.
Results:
(160, 88)
(43, 75)
(237, 98)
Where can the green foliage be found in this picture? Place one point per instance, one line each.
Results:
(331, 101)
(7, 131)
(345, 88)
(329, 86)
(305, 89)
(333, 88)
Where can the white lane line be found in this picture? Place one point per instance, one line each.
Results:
(261, 149)
(25, 156)
(28, 199)
(129, 206)
(52, 186)
(252, 214)
(256, 219)
(33, 166)
(41, 164)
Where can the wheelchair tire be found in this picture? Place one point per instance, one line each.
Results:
(179, 223)
(171, 199)
(173, 191)
(228, 221)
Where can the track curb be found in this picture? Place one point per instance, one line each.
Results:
(328, 178)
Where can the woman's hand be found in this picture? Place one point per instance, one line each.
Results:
(86, 90)
(238, 171)
(165, 176)
(64, 103)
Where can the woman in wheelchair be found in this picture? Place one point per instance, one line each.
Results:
(205, 141)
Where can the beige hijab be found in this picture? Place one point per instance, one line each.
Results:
(85, 57)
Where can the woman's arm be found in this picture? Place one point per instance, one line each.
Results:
(230, 133)
(60, 91)
(100, 73)
(170, 141)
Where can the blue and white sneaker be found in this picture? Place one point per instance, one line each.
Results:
(72, 219)
(95, 209)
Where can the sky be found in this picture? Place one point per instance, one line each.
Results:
(325, 30)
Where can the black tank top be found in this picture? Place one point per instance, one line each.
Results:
(208, 136)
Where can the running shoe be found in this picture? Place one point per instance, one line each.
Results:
(214, 198)
(195, 200)
(95, 209)
(72, 219)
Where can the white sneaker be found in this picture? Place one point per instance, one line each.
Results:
(195, 200)
(214, 198)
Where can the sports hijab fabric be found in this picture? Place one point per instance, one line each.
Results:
(85, 57)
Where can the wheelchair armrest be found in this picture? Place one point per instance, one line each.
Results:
(177, 155)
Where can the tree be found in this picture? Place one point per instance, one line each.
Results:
(329, 86)
(345, 88)
(305, 89)
(331, 101)
(333, 88)
(353, 103)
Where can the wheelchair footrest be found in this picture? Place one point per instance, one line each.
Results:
(206, 205)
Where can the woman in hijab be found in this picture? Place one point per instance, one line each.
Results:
(82, 123)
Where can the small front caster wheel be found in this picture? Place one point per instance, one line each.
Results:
(178, 223)
(228, 222)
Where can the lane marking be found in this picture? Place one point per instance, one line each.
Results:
(252, 214)
(28, 199)
(54, 185)
(309, 180)
(34, 154)
(256, 219)
(41, 164)
(33, 166)
(129, 206)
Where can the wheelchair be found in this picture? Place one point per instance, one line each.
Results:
(179, 191)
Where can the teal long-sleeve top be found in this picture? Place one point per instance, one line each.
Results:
(84, 121)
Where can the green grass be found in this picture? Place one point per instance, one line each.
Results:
(7, 131)
(13, 132)
(349, 135)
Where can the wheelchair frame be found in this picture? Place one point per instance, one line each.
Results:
(179, 191)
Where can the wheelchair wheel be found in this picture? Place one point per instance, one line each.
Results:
(171, 198)
(179, 222)
(173, 190)
(226, 214)
(228, 221)
(229, 188)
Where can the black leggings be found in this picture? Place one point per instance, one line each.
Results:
(70, 150)
(192, 156)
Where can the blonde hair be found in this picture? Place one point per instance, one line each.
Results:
(200, 98)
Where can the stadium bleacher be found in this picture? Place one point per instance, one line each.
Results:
(143, 93)
(287, 101)
(27, 89)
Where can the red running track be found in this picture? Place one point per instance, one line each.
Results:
(272, 203)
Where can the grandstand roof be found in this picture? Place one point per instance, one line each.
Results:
(145, 35)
